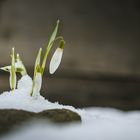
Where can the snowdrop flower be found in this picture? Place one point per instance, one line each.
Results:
(56, 60)
(40, 63)
(19, 67)
(16, 66)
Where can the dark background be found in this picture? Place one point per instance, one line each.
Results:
(100, 66)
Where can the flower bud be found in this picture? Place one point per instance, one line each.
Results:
(55, 61)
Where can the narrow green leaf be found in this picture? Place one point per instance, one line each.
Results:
(20, 66)
(6, 68)
(20, 70)
(53, 36)
(37, 68)
(37, 62)
(50, 43)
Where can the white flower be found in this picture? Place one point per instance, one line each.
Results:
(55, 61)
(19, 67)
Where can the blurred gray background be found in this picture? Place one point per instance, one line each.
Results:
(100, 66)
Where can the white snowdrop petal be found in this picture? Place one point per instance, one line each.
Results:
(55, 61)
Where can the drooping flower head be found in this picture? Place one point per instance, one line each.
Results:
(56, 58)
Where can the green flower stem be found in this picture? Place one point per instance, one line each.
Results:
(13, 71)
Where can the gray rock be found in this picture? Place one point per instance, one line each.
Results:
(10, 118)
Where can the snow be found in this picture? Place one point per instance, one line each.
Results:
(21, 99)
(104, 123)
(97, 123)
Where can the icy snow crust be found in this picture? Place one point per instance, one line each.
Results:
(97, 123)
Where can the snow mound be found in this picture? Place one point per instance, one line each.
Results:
(21, 99)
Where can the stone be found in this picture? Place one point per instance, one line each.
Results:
(10, 118)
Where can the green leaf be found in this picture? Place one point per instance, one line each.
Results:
(6, 68)
(37, 62)
(22, 68)
(53, 36)
(50, 43)
(37, 68)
